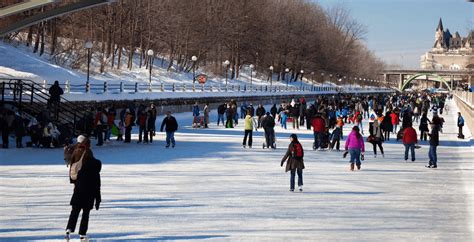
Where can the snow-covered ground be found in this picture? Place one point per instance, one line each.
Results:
(19, 62)
(210, 188)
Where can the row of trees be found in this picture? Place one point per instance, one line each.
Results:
(293, 34)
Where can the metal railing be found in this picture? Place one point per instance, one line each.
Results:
(128, 87)
(467, 97)
(32, 98)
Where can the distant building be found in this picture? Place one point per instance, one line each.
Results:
(449, 52)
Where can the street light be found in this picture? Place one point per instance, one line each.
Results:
(271, 76)
(150, 54)
(251, 72)
(286, 76)
(302, 73)
(226, 63)
(194, 59)
(312, 80)
(88, 46)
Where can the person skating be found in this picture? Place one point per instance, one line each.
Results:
(129, 122)
(424, 121)
(230, 117)
(268, 125)
(274, 111)
(249, 123)
(196, 113)
(395, 121)
(386, 125)
(142, 122)
(372, 118)
(206, 115)
(434, 142)
(319, 126)
(20, 130)
(378, 138)
(355, 146)
(150, 126)
(171, 126)
(336, 136)
(86, 188)
(294, 162)
(460, 123)
(260, 112)
(409, 141)
(220, 113)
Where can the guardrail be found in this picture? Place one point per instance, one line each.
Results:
(467, 97)
(161, 87)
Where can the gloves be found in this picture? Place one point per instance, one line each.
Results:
(281, 164)
(97, 205)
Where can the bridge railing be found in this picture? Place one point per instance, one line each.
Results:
(467, 97)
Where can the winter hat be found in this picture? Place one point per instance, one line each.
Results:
(81, 138)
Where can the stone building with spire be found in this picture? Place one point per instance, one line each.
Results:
(449, 51)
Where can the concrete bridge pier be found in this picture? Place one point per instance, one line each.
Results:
(400, 83)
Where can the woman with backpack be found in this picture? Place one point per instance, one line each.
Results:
(355, 146)
(85, 175)
(294, 162)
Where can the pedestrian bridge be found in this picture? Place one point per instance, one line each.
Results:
(402, 79)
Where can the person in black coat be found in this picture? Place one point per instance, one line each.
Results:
(20, 130)
(55, 92)
(434, 142)
(86, 188)
(220, 113)
(150, 127)
(171, 127)
(268, 125)
(424, 121)
(260, 112)
(274, 111)
(387, 125)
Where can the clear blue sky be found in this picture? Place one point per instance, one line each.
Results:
(400, 31)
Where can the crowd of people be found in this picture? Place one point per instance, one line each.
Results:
(396, 115)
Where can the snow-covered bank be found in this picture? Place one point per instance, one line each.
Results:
(209, 188)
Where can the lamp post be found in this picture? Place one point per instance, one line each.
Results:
(271, 76)
(226, 64)
(150, 54)
(312, 80)
(194, 59)
(251, 72)
(286, 76)
(88, 46)
(322, 78)
(302, 73)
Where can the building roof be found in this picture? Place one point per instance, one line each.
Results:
(440, 25)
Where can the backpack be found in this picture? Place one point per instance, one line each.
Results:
(297, 151)
(76, 167)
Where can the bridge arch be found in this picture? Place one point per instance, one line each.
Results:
(437, 78)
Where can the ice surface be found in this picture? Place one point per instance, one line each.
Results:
(210, 188)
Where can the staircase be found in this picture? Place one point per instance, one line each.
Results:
(31, 98)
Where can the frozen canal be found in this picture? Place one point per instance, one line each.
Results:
(210, 188)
